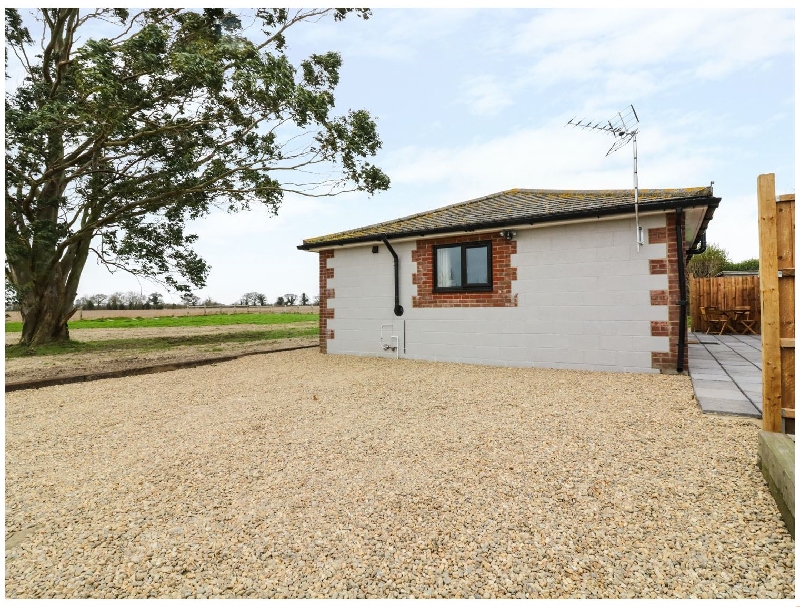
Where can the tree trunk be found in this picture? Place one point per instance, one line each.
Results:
(44, 320)
(47, 294)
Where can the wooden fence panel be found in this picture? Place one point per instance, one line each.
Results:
(724, 292)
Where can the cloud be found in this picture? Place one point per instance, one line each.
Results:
(485, 96)
(552, 157)
(586, 45)
(393, 34)
(735, 225)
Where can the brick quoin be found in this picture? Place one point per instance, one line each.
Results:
(658, 266)
(325, 313)
(659, 298)
(503, 273)
(656, 235)
(659, 328)
(668, 361)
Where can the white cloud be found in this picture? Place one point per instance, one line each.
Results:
(552, 157)
(586, 45)
(394, 34)
(485, 96)
(735, 225)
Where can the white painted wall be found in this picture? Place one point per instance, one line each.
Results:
(583, 294)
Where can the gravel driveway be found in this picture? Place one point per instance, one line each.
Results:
(305, 475)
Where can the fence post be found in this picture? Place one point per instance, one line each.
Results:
(770, 304)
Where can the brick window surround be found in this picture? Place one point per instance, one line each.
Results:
(668, 361)
(325, 313)
(503, 273)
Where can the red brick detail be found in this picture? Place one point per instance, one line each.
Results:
(503, 273)
(668, 361)
(662, 360)
(658, 266)
(659, 328)
(325, 294)
(659, 298)
(656, 235)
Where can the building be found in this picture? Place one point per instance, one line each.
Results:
(545, 278)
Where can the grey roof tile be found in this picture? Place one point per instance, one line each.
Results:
(514, 206)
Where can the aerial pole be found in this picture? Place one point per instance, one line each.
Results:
(624, 128)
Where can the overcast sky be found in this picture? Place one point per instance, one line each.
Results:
(471, 102)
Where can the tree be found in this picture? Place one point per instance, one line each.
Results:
(709, 263)
(190, 299)
(253, 298)
(303, 299)
(748, 265)
(12, 300)
(84, 302)
(133, 300)
(315, 301)
(113, 144)
(290, 299)
(156, 301)
(114, 301)
(98, 299)
(279, 301)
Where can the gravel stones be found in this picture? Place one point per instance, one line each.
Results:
(305, 475)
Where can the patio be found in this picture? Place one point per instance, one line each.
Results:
(726, 373)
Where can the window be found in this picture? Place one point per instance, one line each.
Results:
(463, 267)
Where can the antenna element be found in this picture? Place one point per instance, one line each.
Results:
(624, 128)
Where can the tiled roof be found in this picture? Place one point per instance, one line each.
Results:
(519, 206)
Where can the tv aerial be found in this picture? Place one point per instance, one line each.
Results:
(624, 128)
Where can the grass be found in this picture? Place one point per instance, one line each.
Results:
(181, 321)
(161, 343)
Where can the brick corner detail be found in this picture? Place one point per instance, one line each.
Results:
(656, 235)
(667, 361)
(325, 313)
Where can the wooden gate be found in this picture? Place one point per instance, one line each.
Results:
(776, 243)
(725, 293)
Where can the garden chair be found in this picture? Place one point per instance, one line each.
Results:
(746, 320)
(715, 319)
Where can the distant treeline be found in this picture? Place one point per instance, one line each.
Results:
(131, 300)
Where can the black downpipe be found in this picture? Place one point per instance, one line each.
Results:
(398, 309)
(702, 248)
(682, 287)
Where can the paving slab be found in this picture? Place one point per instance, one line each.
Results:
(726, 406)
(726, 373)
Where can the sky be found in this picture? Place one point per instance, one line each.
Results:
(470, 102)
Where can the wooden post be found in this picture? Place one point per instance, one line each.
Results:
(776, 252)
(770, 304)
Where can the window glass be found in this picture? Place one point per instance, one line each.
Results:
(448, 267)
(477, 265)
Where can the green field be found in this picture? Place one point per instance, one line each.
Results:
(182, 321)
